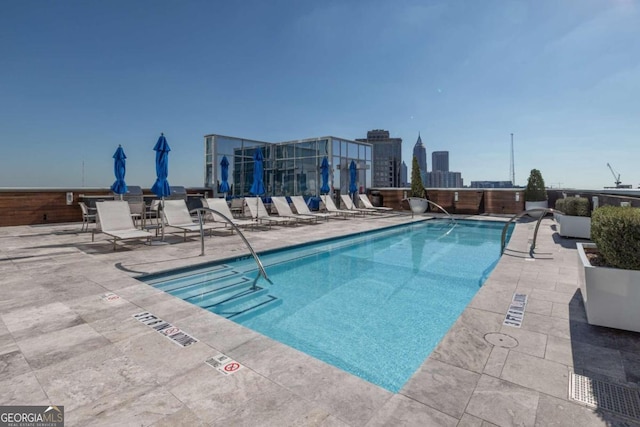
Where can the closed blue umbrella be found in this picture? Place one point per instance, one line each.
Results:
(161, 186)
(324, 172)
(353, 174)
(224, 174)
(119, 169)
(257, 188)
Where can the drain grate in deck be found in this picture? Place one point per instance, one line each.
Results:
(604, 395)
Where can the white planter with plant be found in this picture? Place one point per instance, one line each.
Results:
(575, 222)
(535, 194)
(611, 288)
(417, 202)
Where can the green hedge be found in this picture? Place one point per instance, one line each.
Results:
(577, 206)
(616, 232)
(560, 205)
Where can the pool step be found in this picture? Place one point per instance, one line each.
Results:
(238, 299)
(214, 292)
(250, 309)
(198, 281)
(166, 281)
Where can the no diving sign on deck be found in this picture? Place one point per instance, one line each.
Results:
(515, 314)
(224, 364)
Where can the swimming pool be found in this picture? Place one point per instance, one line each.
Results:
(375, 304)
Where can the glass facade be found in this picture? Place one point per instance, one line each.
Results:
(290, 168)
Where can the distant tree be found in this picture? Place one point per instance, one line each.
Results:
(417, 187)
(536, 190)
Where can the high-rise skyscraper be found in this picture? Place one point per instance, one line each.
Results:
(387, 156)
(403, 175)
(420, 152)
(440, 161)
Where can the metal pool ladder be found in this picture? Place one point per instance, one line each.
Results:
(438, 206)
(535, 233)
(261, 271)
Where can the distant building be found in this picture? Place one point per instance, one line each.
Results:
(420, 152)
(404, 182)
(290, 168)
(491, 184)
(442, 179)
(387, 156)
(440, 161)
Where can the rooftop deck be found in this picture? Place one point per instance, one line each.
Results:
(62, 344)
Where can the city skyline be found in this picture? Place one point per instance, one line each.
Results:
(81, 77)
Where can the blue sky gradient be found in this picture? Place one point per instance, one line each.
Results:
(80, 77)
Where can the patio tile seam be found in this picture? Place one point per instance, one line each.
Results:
(426, 404)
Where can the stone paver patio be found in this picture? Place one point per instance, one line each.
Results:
(62, 344)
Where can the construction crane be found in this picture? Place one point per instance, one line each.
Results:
(616, 177)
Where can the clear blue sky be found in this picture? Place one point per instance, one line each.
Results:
(80, 77)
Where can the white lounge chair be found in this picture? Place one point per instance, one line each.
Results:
(87, 217)
(176, 215)
(259, 212)
(115, 221)
(303, 209)
(220, 205)
(367, 204)
(283, 208)
(346, 199)
(331, 207)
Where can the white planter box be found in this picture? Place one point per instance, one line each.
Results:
(611, 295)
(532, 205)
(418, 205)
(574, 226)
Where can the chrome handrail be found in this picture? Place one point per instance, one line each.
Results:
(261, 271)
(535, 233)
(434, 204)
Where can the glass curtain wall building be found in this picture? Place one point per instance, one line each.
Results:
(291, 168)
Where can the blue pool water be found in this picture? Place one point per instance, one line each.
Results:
(375, 304)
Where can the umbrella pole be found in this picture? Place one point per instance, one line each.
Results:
(162, 219)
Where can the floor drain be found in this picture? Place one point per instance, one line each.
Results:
(501, 340)
(604, 395)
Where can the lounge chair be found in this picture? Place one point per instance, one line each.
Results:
(259, 212)
(303, 209)
(367, 204)
(331, 207)
(87, 217)
(115, 221)
(220, 205)
(346, 199)
(176, 215)
(237, 206)
(283, 208)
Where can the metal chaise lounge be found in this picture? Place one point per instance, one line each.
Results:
(176, 215)
(259, 212)
(367, 204)
(346, 199)
(221, 206)
(331, 207)
(115, 221)
(303, 209)
(283, 208)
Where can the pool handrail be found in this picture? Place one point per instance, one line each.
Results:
(434, 204)
(261, 271)
(535, 233)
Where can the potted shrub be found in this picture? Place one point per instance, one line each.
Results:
(575, 220)
(609, 268)
(535, 194)
(417, 201)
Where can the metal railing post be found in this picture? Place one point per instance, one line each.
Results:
(261, 270)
